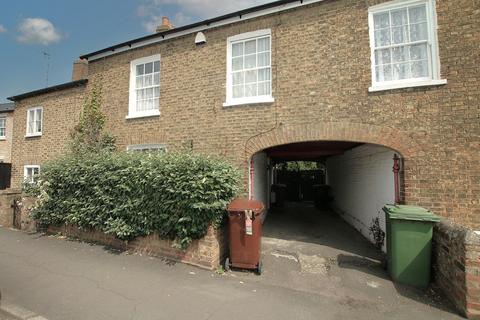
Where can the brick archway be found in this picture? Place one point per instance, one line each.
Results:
(334, 131)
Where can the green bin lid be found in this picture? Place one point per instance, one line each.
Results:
(405, 212)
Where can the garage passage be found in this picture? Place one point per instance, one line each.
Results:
(325, 197)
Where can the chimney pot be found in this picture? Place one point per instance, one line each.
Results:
(165, 26)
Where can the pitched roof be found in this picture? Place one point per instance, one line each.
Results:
(62, 86)
(7, 107)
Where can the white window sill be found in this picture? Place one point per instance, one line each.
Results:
(154, 113)
(3, 138)
(412, 84)
(255, 100)
(33, 135)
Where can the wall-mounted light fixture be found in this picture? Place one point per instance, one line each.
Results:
(200, 39)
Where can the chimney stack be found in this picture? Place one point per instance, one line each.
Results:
(80, 69)
(165, 26)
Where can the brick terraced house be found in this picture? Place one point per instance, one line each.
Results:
(347, 82)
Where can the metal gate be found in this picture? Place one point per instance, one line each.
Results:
(17, 215)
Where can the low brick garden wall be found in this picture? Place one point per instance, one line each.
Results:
(456, 264)
(207, 252)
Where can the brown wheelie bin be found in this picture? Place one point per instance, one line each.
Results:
(245, 226)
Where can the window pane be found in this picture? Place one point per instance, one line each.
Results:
(156, 103)
(250, 61)
(156, 92)
(418, 32)
(384, 73)
(264, 44)
(264, 59)
(139, 69)
(418, 52)
(250, 90)
(156, 66)
(156, 79)
(399, 35)
(401, 71)
(140, 94)
(140, 105)
(237, 63)
(237, 49)
(419, 69)
(250, 46)
(237, 78)
(264, 74)
(139, 82)
(149, 105)
(31, 115)
(381, 20)
(399, 54)
(264, 88)
(2, 132)
(148, 67)
(148, 80)
(38, 126)
(149, 93)
(38, 115)
(383, 56)
(251, 76)
(417, 14)
(238, 91)
(399, 17)
(382, 37)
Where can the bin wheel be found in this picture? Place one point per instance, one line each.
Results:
(227, 264)
(259, 268)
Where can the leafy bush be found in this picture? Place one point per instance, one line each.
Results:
(89, 135)
(134, 194)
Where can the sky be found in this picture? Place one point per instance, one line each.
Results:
(40, 39)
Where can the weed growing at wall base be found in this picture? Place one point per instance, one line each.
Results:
(128, 195)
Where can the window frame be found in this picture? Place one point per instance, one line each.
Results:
(147, 146)
(25, 171)
(434, 77)
(4, 136)
(132, 103)
(34, 134)
(230, 101)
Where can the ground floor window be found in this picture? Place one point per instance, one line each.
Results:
(149, 148)
(30, 173)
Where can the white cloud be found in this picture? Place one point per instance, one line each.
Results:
(38, 31)
(189, 10)
(2, 29)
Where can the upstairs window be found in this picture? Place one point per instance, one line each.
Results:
(249, 68)
(34, 121)
(3, 127)
(30, 173)
(403, 44)
(144, 87)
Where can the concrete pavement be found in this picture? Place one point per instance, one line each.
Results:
(63, 279)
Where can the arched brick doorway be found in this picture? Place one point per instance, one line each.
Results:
(334, 131)
(385, 136)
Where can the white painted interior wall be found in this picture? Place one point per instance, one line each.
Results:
(362, 183)
(261, 186)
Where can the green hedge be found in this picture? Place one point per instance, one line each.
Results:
(134, 194)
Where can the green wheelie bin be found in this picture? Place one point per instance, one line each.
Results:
(409, 243)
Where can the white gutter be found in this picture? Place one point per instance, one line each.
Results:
(217, 24)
